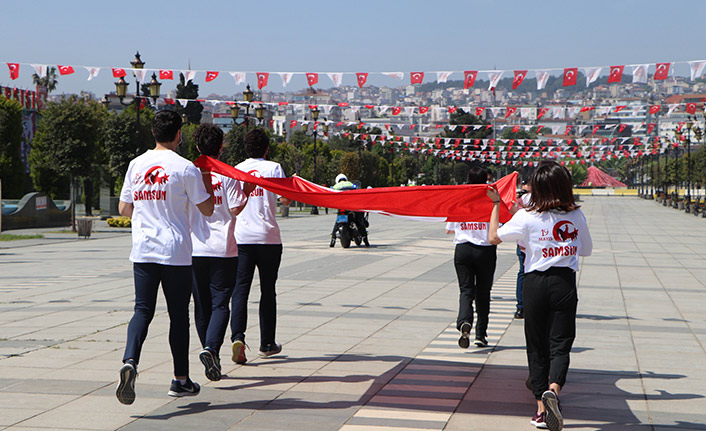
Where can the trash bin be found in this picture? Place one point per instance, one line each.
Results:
(84, 227)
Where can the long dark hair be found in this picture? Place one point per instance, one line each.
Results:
(551, 188)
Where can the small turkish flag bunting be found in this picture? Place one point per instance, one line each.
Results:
(396, 110)
(65, 70)
(442, 76)
(541, 112)
(452, 109)
(650, 127)
(189, 75)
(286, 77)
(621, 128)
(292, 124)
(14, 70)
(479, 111)
(542, 77)
(362, 77)
(619, 108)
(570, 76)
(655, 109)
(510, 110)
(262, 78)
(416, 77)
(616, 74)
(210, 76)
(423, 109)
(697, 68)
(336, 78)
(662, 71)
(691, 108)
(118, 72)
(519, 77)
(239, 77)
(312, 79)
(469, 78)
(166, 74)
(494, 78)
(92, 72)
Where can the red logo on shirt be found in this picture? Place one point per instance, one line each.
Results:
(156, 175)
(216, 183)
(565, 231)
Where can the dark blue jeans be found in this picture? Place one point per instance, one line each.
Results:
(266, 258)
(520, 277)
(475, 268)
(214, 281)
(176, 285)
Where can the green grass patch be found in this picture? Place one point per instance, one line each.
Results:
(13, 237)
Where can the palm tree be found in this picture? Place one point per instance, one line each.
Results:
(48, 81)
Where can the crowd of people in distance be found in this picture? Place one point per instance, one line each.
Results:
(186, 239)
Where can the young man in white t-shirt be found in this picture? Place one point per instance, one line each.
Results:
(259, 245)
(215, 254)
(159, 189)
(474, 259)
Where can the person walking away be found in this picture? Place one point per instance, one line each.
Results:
(215, 254)
(523, 197)
(474, 260)
(555, 234)
(159, 189)
(259, 246)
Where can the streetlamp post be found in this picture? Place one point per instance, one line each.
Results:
(121, 91)
(305, 127)
(247, 96)
(260, 114)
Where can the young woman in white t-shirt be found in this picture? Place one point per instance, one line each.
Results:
(215, 254)
(554, 232)
(474, 261)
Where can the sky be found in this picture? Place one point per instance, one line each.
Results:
(343, 36)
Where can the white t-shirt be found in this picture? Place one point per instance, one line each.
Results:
(162, 186)
(473, 232)
(551, 238)
(214, 236)
(257, 223)
(523, 202)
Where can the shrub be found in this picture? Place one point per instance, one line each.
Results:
(119, 222)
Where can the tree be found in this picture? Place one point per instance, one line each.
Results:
(66, 143)
(189, 90)
(11, 167)
(119, 140)
(48, 81)
(233, 148)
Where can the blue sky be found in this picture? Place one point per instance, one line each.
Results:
(344, 36)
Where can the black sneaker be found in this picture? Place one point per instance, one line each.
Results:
(189, 389)
(555, 422)
(481, 342)
(126, 385)
(211, 364)
(365, 240)
(520, 314)
(465, 329)
(270, 349)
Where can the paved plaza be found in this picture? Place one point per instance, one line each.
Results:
(368, 335)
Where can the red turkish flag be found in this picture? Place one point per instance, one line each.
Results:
(595, 129)
(416, 77)
(452, 109)
(616, 74)
(292, 124)
(369, 106)
(691, 108)
(655, 109)
(210, 76)
(479, 111)
(570, 76)
(662, 71)
(343, 104)
(362, 77)
(14, 70)
(621, 128)
(65, 70)
(510, 110)
(541, 112)
(118, 72)
(620, 108)
(650, 127)
(312, 79)
(515, 129)
(423, 109)
(166, 74)
(469, 78)
(519, 77)
(568, 130)
(396, 110)
(169, 101)
(262, 78)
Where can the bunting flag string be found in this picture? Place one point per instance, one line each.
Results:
(570, 74)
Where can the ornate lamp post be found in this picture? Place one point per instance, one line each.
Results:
(305, 127)
(260, 114)
(247, 96)
(121, 91)
(234, 113)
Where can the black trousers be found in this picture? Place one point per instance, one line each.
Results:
(214, 281)
(475, 268)
(266, 258)
(176, 285)
(550, 302)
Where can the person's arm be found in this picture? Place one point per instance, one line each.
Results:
(585, 237)
(206, 207)
(125, 208)
(494, 216)
(450, 228)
